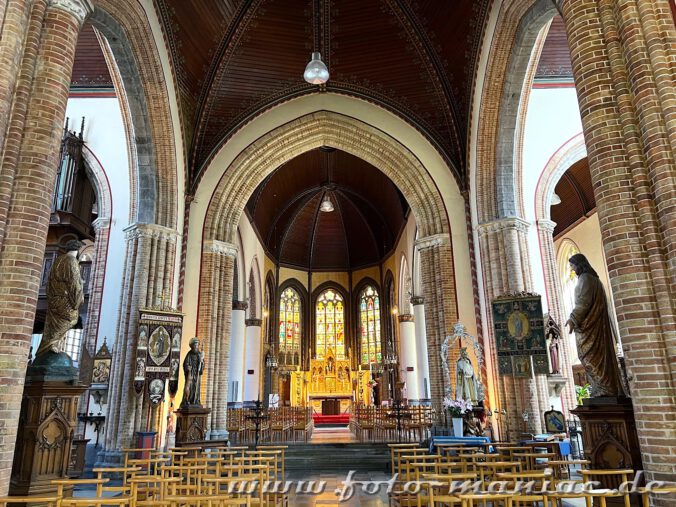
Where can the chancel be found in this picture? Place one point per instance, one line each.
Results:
(293, 239)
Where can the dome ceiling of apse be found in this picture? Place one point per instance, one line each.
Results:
(368, 218)
(577, 197)
(234, 59)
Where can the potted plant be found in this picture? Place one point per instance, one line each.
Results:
(582, 392)
(457, 410)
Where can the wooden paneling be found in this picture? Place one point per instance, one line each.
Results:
(577, 197)
(369, 212)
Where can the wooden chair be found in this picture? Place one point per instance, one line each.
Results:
(151, 490)
(126, 473)
(64, 487)
(444, 488)
(610, 478)
(208, 501)
(483, 499)
(594, 497)
(113, 501)
(529, 460)
(489, 469)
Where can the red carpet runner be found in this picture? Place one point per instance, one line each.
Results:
(331, 419)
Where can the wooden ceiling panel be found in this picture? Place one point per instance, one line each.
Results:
(577, 197)
(235, 59)
(555, 57)
(369, 212)
(89, 68)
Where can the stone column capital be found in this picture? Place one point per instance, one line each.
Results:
(253, 322)
(139, 230)
(433, 241)
(79, 9)
(503, 224)
(240, 305)
(546, 225)
(220, 247)
(101, 223)
(406, 317)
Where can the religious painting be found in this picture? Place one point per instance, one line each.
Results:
(101, 369)
(519, 334)
(158, 353)
(555, 422)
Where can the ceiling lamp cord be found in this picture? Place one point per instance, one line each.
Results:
(316, 71)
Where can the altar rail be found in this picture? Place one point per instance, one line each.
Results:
(284, 424)
(379, 424)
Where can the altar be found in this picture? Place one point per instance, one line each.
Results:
(330, 386)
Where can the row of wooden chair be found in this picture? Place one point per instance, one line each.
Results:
(187, 476)
(468, 476)
(283, 424)
(380, 424)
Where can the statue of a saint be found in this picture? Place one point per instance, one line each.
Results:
(553, 334)
(465, 381)
(593, 331)
(64, 298)
(193, 367)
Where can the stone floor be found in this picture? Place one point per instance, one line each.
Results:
(332, 435)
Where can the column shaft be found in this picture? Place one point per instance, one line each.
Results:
(409, 356)
(237, 356)
(622, 56)
(145, 282)
(214, 325)
(423, 366)
(252, 354)
(26, 191)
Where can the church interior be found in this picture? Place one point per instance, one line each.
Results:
(418, 244)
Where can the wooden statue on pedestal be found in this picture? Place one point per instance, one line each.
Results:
(49, 406)
(607, 418)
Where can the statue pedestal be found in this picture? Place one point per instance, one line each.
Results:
(609, 435)
(191, 424)
(46, 429)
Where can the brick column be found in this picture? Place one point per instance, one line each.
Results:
(622, 54)
(26, 186)
(504, 255)
(213, 328)
(555, 304)
(148, 275)
(441, 312)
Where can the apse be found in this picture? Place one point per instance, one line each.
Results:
(368, 212)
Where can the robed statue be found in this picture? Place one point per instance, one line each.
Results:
(465, 381)
(193, 367)
(64, 298)
(593, 331)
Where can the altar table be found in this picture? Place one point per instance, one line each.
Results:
(434, 441)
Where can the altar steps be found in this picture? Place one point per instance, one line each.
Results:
(338, 457)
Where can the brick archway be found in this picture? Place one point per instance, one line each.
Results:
(270, 151)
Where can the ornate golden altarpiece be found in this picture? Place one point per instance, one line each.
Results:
(330, 379)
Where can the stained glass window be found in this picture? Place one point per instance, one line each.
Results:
(369, 325)
(330, 324)
(289, 322)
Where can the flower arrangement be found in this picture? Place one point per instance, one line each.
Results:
(372, 383)
(582, 392)
(457, 408)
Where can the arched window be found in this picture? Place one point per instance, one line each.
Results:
(289, 323)
(330, 324)
(369, 325)
(567, 275)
